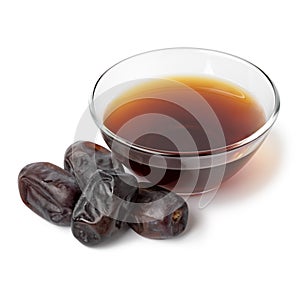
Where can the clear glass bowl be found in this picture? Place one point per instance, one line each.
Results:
(193, 172)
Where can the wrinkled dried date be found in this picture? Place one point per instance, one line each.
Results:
(49, 191)
(105, 202)
(83, 158)
(111, 199)
(161, 214)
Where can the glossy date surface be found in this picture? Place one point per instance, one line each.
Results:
(49, 191)
(161, 214)
(103, 206)
(83, 159)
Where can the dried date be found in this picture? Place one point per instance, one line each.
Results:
(83, 158)
(49, 191)
(161, 214)
(105, 202)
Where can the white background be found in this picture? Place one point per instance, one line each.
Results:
(245, 245)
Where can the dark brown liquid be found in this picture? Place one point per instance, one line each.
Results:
(171, 117)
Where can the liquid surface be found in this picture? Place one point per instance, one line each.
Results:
(184, 114)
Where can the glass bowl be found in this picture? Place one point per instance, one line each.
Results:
(191, 172)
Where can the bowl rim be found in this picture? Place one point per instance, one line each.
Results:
(254, 136)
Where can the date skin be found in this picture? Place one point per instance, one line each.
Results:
(83, 159)
(49, 191)
(103, 206)
(161, 214)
